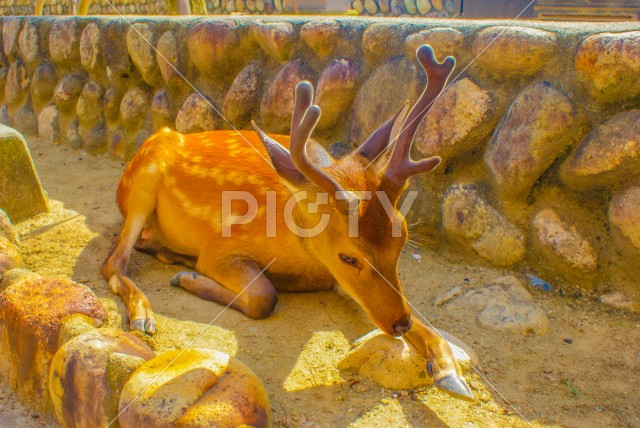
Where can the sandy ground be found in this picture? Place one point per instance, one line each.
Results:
(528, 380)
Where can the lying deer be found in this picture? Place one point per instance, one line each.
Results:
(172, 197)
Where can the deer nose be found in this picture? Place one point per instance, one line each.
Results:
(403, 325)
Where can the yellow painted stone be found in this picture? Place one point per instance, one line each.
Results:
(21, 194)
(31, 312)
(87, 375)
(391, 363)
(194, 388)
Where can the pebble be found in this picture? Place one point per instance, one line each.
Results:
(568, 340)
(448, 296)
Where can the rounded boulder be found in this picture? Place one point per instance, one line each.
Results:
(194, 388)
(87, 375)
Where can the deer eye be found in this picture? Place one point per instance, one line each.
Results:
(352, 261)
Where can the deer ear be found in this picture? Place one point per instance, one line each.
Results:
(319, 155)
(383, 136)
(281, 159)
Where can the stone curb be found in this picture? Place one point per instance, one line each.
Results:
(59, 355)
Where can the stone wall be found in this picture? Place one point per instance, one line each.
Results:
(96, 7)
(427, 8)
(539, 129)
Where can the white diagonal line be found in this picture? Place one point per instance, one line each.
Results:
(428, 106)
(188, 82)
(205, 328)
(474, 368)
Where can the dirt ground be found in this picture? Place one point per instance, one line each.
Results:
(526, 380)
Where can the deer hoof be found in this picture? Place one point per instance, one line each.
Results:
(175, 281)
(455, 386)
(147, 326)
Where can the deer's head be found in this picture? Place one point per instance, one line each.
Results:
(352, 202)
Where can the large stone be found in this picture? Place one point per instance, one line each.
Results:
(392, 363)
(323, 37)
(537, 128)
(10, 34)
(444, 41)
(171, 65)
(336, 91)
(620, 301)
(67, 91)
(134, 106)
(10, 257)
(111, 102)
(278, 39)
(21, 194)
(25, 120)
(624, 214)
(93, 138)
(608, 64)
(381, 41)
(64, 43)
(18, 81)
(562, 244)
(503, 305)
(197, 115)
(72, 135)
(31, 312)
(91, 55)
(29, 44)
(194, 388)
(141, 40)
(162, 111)
(608, 155)
(469, 220)
(277, 102)
(459, 121)
(43, 83)
(244, 94)
(89, 106)
(211, 46)
(49, 125)
(118, 144)
(114, 49)
(374, 105)
(513, 49)
(88, 373)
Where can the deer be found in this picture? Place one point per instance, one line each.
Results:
(171, 196)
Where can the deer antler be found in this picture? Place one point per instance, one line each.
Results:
(303, 120)
(400, 166)
(293, 163)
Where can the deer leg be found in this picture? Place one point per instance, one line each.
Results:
(245, 288)
(114, 268)
(441, 363)
(147, 244)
